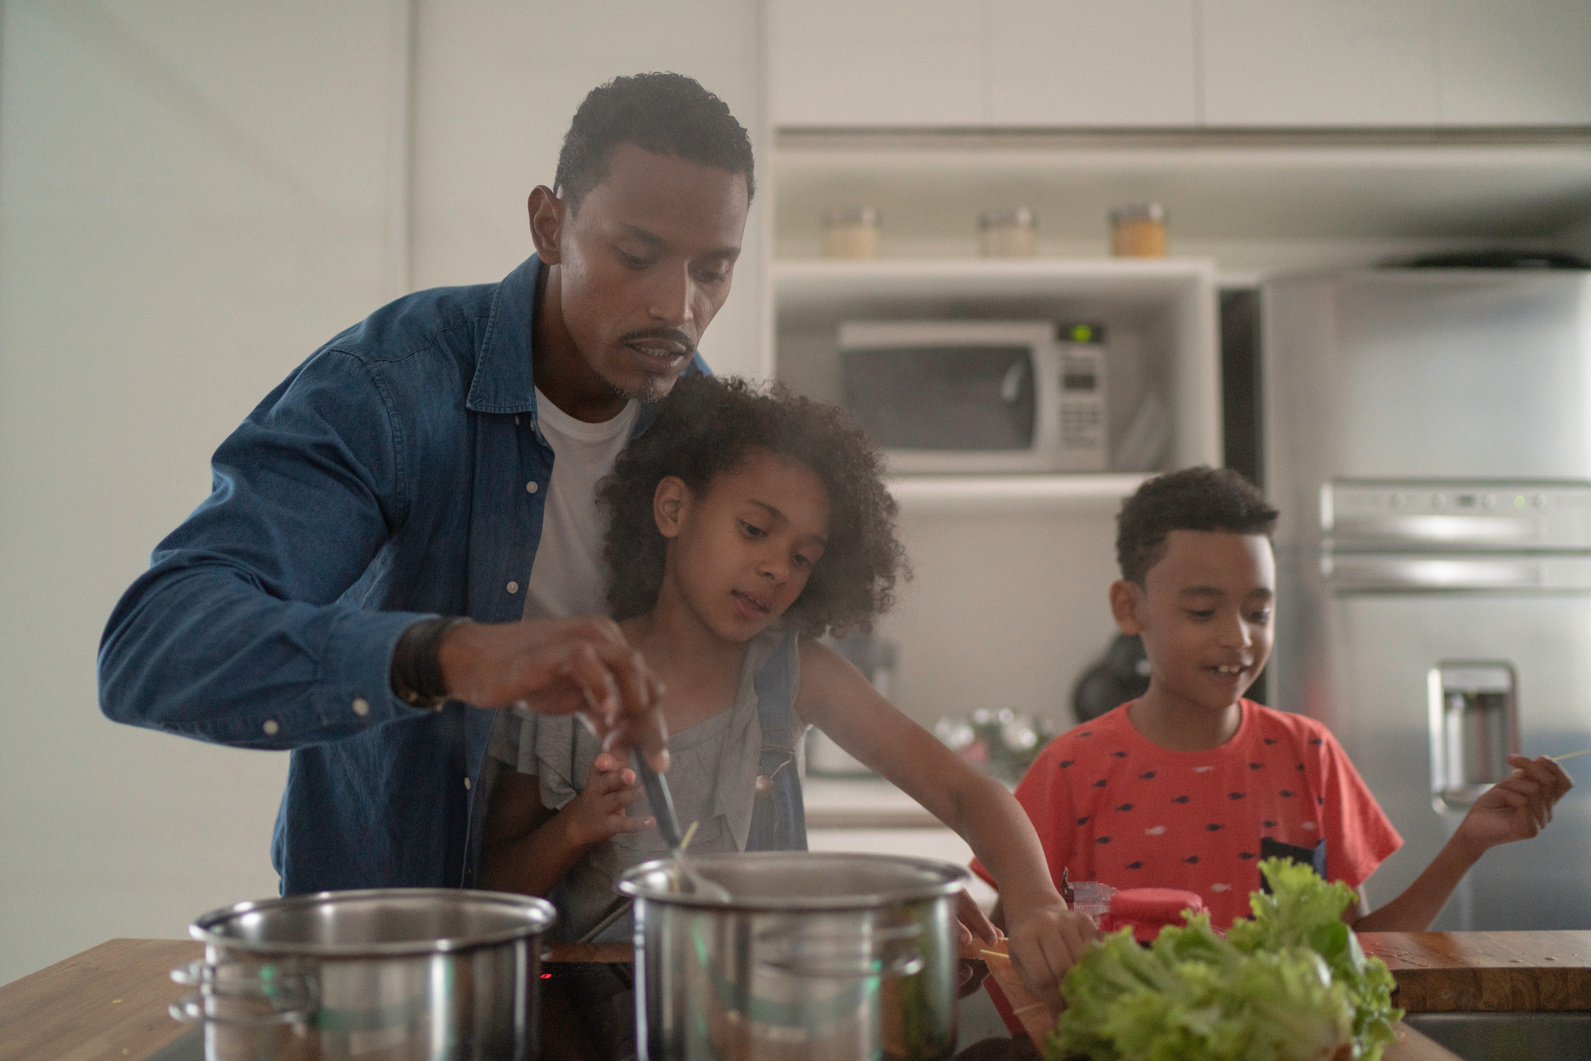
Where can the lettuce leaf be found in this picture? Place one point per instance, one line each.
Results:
(1290, 985)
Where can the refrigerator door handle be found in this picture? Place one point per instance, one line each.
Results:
(1440, 532)
(1381, 573)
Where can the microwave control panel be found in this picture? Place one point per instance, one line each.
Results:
(1082, 397)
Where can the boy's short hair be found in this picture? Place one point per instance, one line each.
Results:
(667, 114)
(1195, 499)
(707, 426)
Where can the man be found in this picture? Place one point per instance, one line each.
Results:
(403, 478)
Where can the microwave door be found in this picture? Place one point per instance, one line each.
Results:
(949, 409)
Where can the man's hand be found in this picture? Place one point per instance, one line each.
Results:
(597, 813)
(1516, 808)
(560, 667)
(1045, 942)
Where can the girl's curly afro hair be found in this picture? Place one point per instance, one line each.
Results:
(706, 427)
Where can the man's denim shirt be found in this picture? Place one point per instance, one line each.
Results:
(398, 473)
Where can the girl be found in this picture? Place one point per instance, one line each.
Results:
(742, 526)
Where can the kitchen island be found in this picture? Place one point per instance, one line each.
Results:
(109, 1004)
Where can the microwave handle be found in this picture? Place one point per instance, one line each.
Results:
(1011, 384)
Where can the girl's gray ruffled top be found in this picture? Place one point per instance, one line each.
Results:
(713, 773)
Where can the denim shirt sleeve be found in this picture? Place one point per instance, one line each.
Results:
(243, 630)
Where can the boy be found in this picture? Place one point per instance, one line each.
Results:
(1191, 785)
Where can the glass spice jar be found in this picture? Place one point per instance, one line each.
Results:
(1010, 233)
(1138, 231)
(851, 232)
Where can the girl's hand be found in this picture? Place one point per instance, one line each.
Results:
(1046, 941)
(1516, 808)
(597, 813)
(972, 924)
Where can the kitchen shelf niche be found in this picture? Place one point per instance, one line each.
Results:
(1162, 376)
(1257, 200)
(936, 495)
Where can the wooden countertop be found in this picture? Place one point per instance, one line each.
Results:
(106, 1004)
(109, 1004)
(1486, 971)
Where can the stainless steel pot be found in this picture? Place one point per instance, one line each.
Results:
(392, 974)
(818, 956)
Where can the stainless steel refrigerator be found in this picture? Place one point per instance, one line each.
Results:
(1428, 441)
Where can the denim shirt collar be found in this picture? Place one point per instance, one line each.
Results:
(503, 380)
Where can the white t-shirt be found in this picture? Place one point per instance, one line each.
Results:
(569, 577)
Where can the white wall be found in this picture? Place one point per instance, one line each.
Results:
(193, 197)
(1005, 611)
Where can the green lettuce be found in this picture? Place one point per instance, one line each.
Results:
(1290, 985)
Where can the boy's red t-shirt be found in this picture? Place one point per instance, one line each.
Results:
(1110, 806)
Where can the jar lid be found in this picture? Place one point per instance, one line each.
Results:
(1010, 217)
(1137, 212)
(850, 215)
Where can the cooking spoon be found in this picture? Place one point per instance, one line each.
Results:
(656, 786)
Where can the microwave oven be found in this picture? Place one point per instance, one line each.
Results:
(962, 397)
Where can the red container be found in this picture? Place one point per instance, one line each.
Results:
(1147, 910)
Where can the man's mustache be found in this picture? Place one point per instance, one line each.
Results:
(670, 335)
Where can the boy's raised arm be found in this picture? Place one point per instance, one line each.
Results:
(1516, 808)
(1046, 938)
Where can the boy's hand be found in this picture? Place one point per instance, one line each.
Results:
(1046, 941)
(1516, 808)
(597, 813)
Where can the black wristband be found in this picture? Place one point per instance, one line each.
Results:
(416, 673)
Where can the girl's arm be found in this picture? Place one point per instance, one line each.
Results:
(1516, 808)
(527, 848)
(1046, 937)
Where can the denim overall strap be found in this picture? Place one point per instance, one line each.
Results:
(778, 818)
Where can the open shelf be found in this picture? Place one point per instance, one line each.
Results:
(983, 494)
(1255, 199)
(1159, 317)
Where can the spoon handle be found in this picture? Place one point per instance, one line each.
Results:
(656, 786)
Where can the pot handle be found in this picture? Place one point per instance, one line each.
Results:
(232, 994)
(885, 952)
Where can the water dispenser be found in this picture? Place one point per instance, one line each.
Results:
(1474, 728)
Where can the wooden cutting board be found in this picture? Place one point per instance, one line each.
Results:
(1486, 971)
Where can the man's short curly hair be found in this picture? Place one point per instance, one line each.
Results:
(1196, 499)
(707, 426)
(667, 114)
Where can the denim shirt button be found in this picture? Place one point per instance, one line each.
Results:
(467, 785)
(513, 587)
(531, 487)
(271, 727)
(361, 706)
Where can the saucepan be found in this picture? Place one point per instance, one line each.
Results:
(390, 974)
(839, 957)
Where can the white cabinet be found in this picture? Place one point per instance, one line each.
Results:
(1179, 63)
(925, 63)
(1319, 62)
(1514, 62)
(1084, 63)
(855, 63)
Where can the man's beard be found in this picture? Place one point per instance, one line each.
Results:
(650, 393)
(656, 388)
